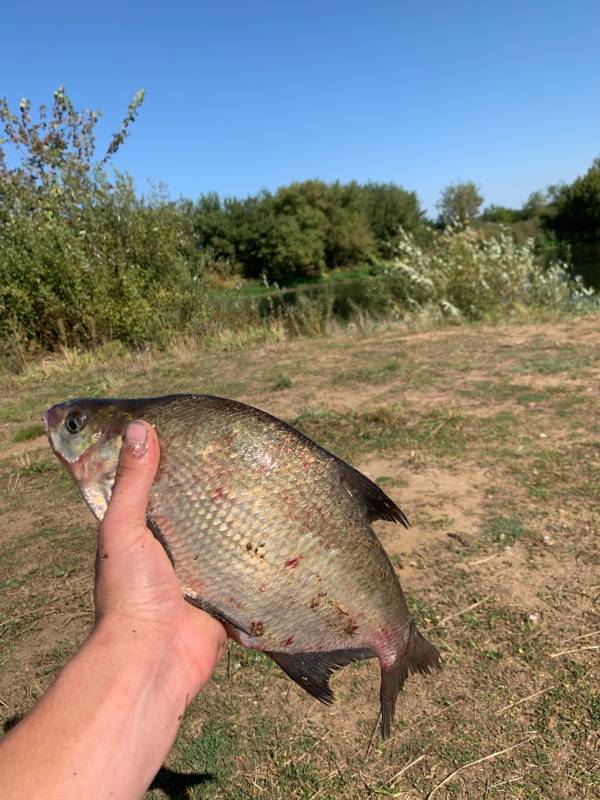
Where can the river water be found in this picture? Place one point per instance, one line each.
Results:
(586, 262)
(346, 296)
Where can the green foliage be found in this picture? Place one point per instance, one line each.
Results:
(304, 229)
(501, 215)
(279, 236)
(82, 258)
(57, 152)
(539, 204)
(576, 214)
(463, 274)
(390, 209)
(460, 203)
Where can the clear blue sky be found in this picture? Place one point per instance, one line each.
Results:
(246, 95)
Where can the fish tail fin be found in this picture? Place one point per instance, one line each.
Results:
(420, 656)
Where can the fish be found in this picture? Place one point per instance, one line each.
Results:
(266, 530)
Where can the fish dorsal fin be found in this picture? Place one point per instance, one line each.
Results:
(379, 505)
(312, 671)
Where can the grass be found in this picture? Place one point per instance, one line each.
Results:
(382, 373)
(504, 530)
(352, 434)
(27, 432)
(282, 381)
(256, 288)
(500, 569)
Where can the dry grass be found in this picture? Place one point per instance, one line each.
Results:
(490, 439)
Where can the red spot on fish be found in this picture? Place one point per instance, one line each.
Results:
(293, 562)
(288, 641)
(218, 493)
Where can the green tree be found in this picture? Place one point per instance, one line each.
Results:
(297, 232)
(214, 232)
(501, 215)
(390, 208)
(349, 238)
(576, 216)
(459, 203)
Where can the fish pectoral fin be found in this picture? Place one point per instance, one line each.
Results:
(378, 504)
(199, 602)
(160, 537)
(312, 671)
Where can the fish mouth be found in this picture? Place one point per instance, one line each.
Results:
(52, 418)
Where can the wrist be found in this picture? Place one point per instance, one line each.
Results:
(180, 655)
(142, 650)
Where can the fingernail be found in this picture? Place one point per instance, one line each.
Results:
(136, 437)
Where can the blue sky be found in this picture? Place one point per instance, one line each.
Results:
(246, 95)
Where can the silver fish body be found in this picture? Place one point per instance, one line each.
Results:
(265, 529)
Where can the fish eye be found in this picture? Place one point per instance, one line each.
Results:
(75, 422)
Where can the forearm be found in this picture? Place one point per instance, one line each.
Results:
(105, 726)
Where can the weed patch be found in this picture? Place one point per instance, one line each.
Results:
(504, 530)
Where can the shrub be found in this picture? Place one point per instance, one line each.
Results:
(82, 258)
(576, 212)
(463, 274)
(304, 229)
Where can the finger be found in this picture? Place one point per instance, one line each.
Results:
(138, 462)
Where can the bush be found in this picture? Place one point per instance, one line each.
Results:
(576, 212)
(459, 204)
(82, 259)
(304, 229)
(462, 274)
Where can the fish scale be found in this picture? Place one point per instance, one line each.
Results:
(266, 530)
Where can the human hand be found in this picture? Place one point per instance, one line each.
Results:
(137, 592)
(120, 699)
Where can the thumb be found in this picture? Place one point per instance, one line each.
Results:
(137, 467)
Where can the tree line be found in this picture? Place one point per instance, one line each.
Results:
(310, 227)
(84, 257)
(304, 229)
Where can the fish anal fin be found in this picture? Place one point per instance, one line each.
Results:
(312, 671)
(420, 656)
(379, 505)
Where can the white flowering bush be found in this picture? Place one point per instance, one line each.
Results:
(463, 274)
